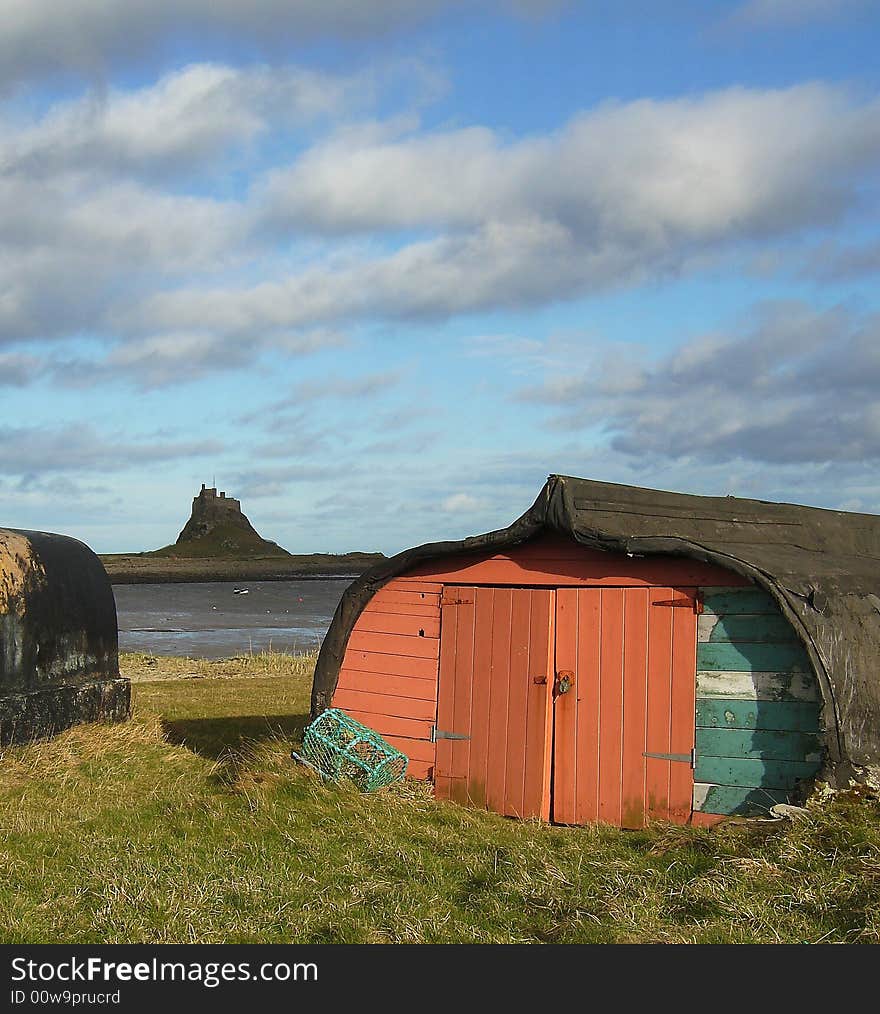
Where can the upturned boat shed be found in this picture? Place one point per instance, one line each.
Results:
(622, 654)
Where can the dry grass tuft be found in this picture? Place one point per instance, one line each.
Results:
(146, 668)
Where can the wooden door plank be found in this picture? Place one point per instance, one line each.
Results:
(566, 766)
(461, 721)
(446, 688)
(635, 685)
(539, 714)
(518, 748)
(658, 737)
(499, 694)
(484, 603)
(548, 620)
(587, 687)
(611, 706)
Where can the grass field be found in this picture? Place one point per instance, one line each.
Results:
(191, 823)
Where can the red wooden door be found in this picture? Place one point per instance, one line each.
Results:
(624, 733)
(494, 735)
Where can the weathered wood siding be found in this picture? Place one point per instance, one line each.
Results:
(553, 561)
(757, 708)
(388, 678)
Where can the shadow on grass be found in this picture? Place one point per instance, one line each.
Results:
(215, 737)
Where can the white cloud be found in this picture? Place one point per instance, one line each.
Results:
(800, 388)
(365, 386)
(34, 451)
(70, 248)
(462, 503)
(40, 39)
(835, 261)
(646, 173)
(17, 369)
(620, 194)
(178, 124)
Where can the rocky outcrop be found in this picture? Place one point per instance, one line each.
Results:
(217, 527)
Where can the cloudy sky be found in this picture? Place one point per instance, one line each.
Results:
(379, 267)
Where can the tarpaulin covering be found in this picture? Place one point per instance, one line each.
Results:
(821, 566)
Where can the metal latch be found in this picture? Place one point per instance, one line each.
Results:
(678, 758)
(563, 683)
(441, 734)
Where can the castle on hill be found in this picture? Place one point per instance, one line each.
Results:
(218, 518)
(219, 501)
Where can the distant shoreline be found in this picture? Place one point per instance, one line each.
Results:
(138, 568)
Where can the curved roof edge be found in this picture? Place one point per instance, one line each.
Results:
(822, 567)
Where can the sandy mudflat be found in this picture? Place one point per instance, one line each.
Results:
(146, 569)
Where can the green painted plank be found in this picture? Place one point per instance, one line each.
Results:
(760, 686)
(752, 656)
(746, 627)
(771, 774)
(798, 716)
(736, 799)
(722, 601)
(759, 743)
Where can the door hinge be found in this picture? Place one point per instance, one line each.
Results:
(678, 758)
(696, 603)
(441, 734)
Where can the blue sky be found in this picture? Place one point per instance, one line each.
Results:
(379, 268)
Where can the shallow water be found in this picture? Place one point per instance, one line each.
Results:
(211, 620)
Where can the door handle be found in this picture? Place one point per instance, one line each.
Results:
(540, 681)
(563, 683)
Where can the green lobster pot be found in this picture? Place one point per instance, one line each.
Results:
(338, 747)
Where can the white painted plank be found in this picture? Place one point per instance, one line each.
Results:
(701, 790)
(762, 627)
(757, 686)
(705, 625)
